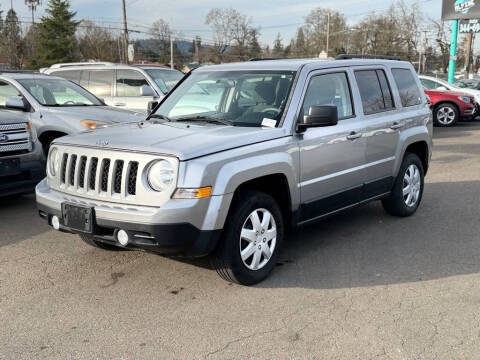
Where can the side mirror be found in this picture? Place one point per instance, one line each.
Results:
(319, 116)
(16, 103)
(151, 106)
(146, 90)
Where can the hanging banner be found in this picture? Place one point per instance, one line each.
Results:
(467, 26)
(460, 9)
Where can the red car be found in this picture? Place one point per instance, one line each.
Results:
(448, 107)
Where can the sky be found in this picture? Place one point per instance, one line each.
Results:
(187, 17)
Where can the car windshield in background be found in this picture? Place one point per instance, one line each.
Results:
(165, 79)
(242, 98)
(58, 92)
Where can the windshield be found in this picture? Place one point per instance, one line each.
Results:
(58, 92)
(243, 98)
(165, 79)
(467, 84)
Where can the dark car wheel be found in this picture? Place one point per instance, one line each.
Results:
(445, 115)
(407, 190)
(252, 238)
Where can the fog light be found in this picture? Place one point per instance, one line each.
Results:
(122, 237)
(55, 222)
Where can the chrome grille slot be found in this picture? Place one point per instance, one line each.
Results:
(63, 172)
(107, 175)
(132, 178)
(93, 173)
(73, 164)
(104, 176)
(117, 180)
(81, 174)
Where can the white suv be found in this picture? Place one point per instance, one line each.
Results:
(122, 86)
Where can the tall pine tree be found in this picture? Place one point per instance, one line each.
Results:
(12, 34)
(56, 35)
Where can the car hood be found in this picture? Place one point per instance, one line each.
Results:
(98, 113)
(183, 140)
(8, 117)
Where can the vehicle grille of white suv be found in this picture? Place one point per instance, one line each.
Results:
(15, 138)
(108, 175)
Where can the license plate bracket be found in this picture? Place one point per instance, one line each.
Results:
(79, 218)
(9, 167)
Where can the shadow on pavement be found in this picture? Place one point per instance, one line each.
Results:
(19, 219)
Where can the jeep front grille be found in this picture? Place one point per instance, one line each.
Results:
(108, 175)
(14, 138)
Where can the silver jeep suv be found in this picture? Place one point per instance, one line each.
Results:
(239, 153)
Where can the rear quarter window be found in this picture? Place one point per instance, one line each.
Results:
(407, 87)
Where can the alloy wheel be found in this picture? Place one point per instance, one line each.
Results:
(258, 238)
(445, 115)
(411, 185)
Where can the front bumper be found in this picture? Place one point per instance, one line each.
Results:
(32, 171)
(172, 229)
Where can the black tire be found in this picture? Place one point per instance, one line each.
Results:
(90, 240)
(227, 259)
(396, 204)
(442, 107)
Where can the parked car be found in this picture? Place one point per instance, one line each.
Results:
(22, 164)
(431, 83)
(122, 86)
(448, 107)
(283, 143)
(57, 107)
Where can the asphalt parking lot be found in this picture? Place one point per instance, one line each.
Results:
(360, 285)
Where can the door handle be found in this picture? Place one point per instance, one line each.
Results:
(354, 135)
(120, 104)
(396, 126)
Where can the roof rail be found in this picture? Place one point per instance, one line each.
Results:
(62, 65)
(366, 56)
(261, 59)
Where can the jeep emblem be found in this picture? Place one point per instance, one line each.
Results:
(102, 142)
(3, 138)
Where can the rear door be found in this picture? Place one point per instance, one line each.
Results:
(383, 121)
(128, 90)
(331, 158)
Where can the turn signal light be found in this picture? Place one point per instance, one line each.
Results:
(193, 193)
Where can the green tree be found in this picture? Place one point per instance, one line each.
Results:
(278, 50)
(254, 48)
(12, 33)
(56, 35)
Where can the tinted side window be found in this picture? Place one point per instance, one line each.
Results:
(407, 86)
(428, 84)
(8, 91)
(375, 97)
(101, 82)
(386, 91)
(72, 75)
(129, 82)
(329, 89)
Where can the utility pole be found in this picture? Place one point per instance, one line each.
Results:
(171, 51)
(125, 32)
(328, 31)
(32, 5)
(468, 50)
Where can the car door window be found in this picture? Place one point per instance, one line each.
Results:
(101, 82)
(329, 89)
(374, 91)
(429, 84)
(8, 91)
(407, 87)
(129, 83)
(72, 75)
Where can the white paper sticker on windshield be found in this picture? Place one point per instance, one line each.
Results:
(269, 122)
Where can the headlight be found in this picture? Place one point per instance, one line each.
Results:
(465, 99)
(53, 161)
(161, 175)
(92, 124)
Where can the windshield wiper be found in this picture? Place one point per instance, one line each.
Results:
(206, 119)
